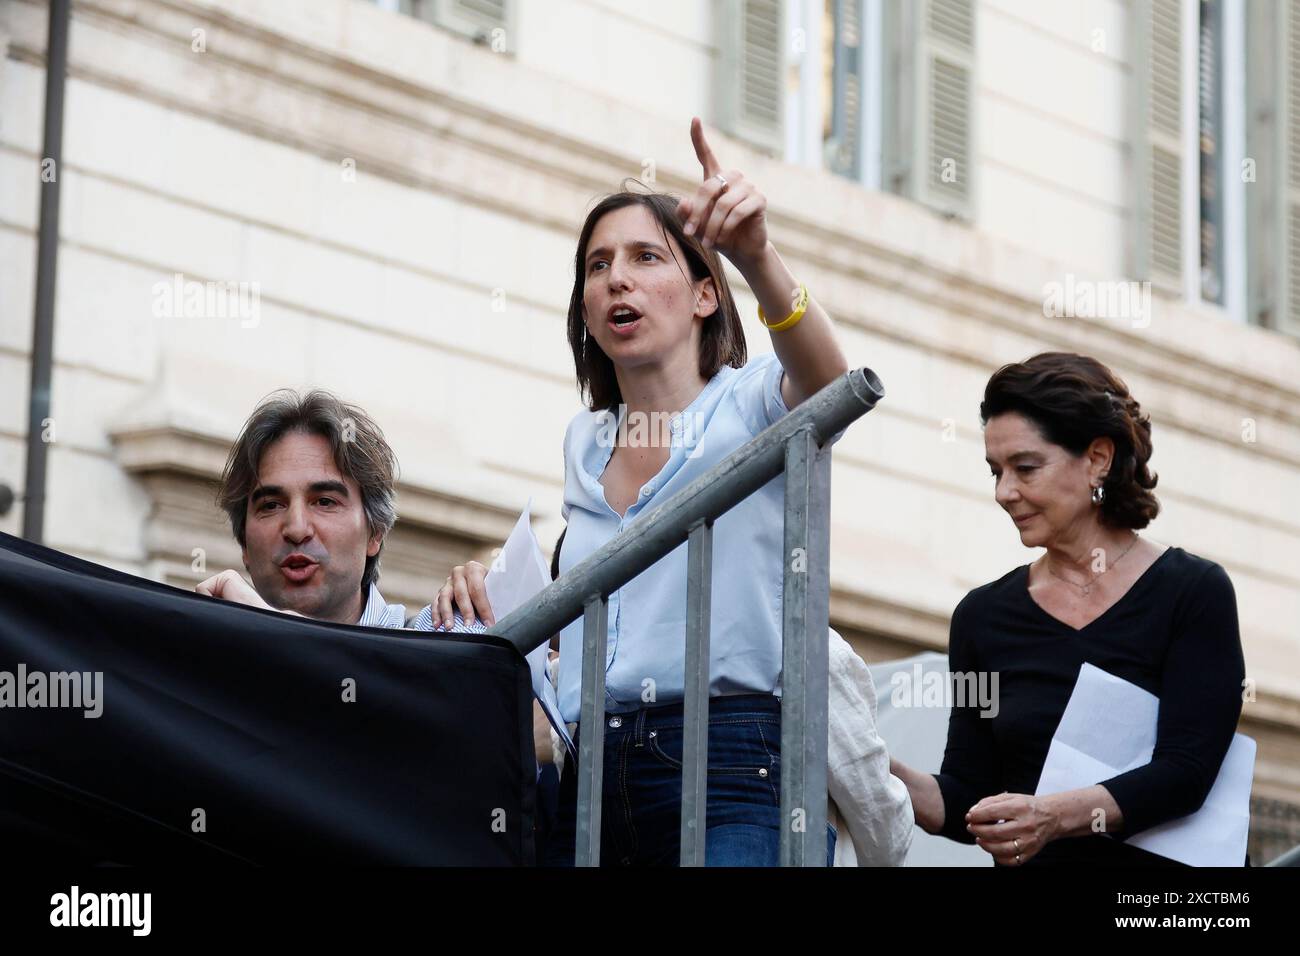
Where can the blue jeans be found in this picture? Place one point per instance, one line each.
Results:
(642, 792)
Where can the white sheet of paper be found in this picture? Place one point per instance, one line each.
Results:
(517, 574)
(1108, 728)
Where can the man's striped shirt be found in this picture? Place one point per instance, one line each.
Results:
(379, 613)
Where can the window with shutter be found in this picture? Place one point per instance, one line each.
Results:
(750, 88)
(1266, 104)
(834, 98)
(1209, 160)
(1158, 143)
(1210, 137)
(484, 21)
(1289, 315)
(929, 140)
(843, 146)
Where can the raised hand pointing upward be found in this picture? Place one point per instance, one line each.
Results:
(729, 214)
(727, 211)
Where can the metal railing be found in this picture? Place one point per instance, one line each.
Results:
(797, 445)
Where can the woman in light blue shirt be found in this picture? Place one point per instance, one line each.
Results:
(659, 351)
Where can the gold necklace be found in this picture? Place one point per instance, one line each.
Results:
(1087, 589)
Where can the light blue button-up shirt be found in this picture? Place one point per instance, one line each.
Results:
(645, 658)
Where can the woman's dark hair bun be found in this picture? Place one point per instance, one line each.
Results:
(1072, 400)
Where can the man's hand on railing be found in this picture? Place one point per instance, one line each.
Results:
(465, 589)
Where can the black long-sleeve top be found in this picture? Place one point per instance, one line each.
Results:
(1174, 634)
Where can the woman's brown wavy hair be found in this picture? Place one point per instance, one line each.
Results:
(1073, 399)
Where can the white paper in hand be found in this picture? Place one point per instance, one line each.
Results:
(517, 574)
(1108, 728)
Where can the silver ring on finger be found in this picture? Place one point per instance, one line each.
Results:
(722, 179)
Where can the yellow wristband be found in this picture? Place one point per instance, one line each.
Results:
(791, 320)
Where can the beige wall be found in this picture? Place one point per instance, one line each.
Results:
(1052, 147)
(473, 172)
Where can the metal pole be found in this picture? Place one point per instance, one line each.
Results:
(695, 706)
(47, 260)
(804, 676)
(591, 731)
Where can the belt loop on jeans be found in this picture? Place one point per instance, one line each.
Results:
(638, 736)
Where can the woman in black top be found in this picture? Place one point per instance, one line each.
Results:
(1068, 448)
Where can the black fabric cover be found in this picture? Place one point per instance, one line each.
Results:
(240, 712)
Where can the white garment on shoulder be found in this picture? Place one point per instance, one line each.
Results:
(869, 806)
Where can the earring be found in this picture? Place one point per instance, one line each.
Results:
(1098, 495)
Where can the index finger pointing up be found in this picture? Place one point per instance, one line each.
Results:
(702, 152)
